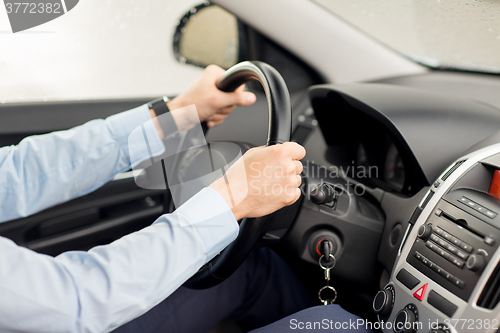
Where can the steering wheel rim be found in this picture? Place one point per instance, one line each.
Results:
(279, 131)
(278, 97)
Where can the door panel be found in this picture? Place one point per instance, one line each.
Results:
(116, 209)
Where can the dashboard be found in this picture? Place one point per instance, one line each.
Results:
(364, 148)
(397, 139)
(446, 277)
(395, 142)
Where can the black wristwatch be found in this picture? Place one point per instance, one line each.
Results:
(159, 105)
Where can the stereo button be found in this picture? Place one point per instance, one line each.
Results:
(446, 236)
(455, 241)
(445, 274)
(442, 242)
(451, 248)
(466, 247)
(444, 254)
(457, 282)
(441, 303)
(437, 269)
(461, 254)
(407, 279)
(491, 214)
(482, 210)
(472, 204)
(457, 262)
(489, 241)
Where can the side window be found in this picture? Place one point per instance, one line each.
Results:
(100, 50)
(208, 34)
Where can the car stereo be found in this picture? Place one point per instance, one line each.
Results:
(447, 274)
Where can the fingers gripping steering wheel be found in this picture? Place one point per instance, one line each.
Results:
(279, 131)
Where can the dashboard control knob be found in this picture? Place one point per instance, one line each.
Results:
(323, 194)
(404, 322)
(425, 231)
(383, 302)
(476, 262)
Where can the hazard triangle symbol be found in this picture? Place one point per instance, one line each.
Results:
(419, 294)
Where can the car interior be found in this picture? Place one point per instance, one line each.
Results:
(402, 173)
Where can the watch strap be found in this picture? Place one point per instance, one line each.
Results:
(159, 105)
(167, 122)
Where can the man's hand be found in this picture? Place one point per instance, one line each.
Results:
(212, 104)
(264, 180)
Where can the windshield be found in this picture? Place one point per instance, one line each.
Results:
(457, 34)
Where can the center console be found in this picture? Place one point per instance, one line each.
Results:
(447, 274)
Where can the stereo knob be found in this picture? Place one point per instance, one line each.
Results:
(404, 322)
(425, 231)
(383, 301)
(476, 262)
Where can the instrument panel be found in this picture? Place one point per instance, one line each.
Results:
(447, 275)
(384, 164)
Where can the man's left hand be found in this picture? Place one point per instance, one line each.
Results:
(212, 104)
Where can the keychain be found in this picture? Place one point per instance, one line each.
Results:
(327, 294)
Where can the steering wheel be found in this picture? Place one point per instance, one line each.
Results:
(279, 131)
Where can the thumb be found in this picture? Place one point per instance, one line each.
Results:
(249, 97)
(238, 98)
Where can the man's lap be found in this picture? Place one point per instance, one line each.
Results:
(261, 291)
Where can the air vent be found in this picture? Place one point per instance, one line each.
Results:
(491, 293)
(301, 133)
(452, 169)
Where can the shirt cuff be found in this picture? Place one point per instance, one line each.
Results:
(209, 213)
(131, 122)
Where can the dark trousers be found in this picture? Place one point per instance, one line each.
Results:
(261, 291)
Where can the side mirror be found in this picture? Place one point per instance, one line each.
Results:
(206, 35)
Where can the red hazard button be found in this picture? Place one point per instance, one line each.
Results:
(420, 293)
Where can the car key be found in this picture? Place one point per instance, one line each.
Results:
(324, 291)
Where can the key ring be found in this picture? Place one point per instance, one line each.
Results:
(328, 300)
(325, 268)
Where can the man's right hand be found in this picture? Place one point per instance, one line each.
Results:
(264, 180)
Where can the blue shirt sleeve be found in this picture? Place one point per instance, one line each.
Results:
(99, 290)
(45, 170)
